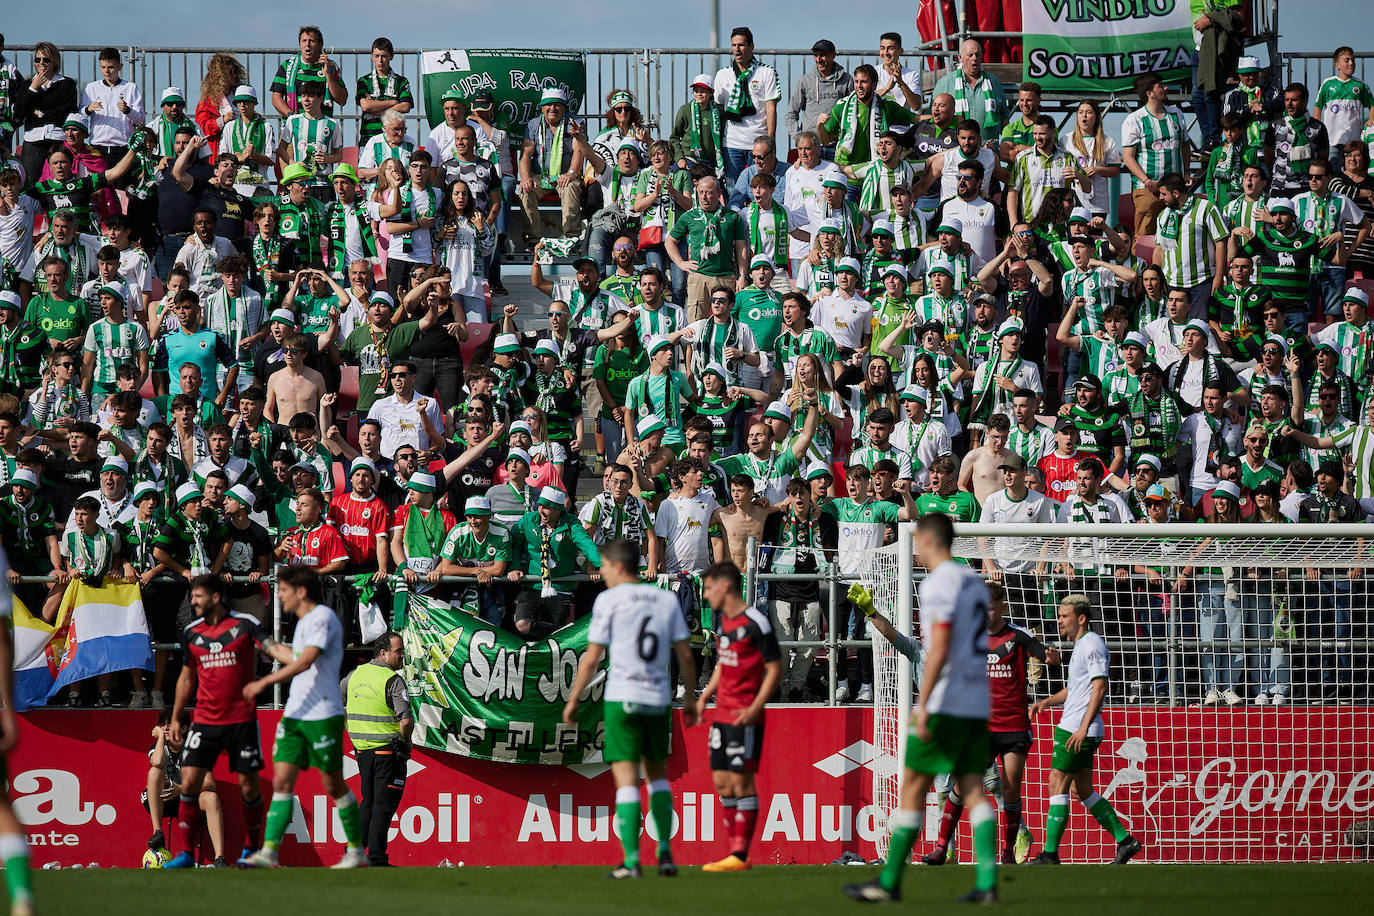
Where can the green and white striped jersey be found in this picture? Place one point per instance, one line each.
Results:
(1097, 286)
(1033, 173)
(1360, 441)
(1187, 240)
(112, 345)
(1158, 142)
(1343, 105)
(1241, 212)
(875, 191)
(311, 140)
(1352, 344)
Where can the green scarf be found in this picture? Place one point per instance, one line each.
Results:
(143, 177)
(740, 104)
(1145, 431)
(961, 102)
(984, 407)
(423, 536)
(338, 233)
(849, 126)
(696, 132)
(551, 139)
(779, 233)
(1254, 128)
(410, 213)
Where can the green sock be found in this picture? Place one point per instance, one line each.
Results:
(661, 810)
(1056, 822)
(348, 815)
(1103, 812)
(984, 824)
(15, 853)
(627, 825)
(906, 830)
(278, 819)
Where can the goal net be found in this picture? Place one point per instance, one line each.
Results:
(1237, 720)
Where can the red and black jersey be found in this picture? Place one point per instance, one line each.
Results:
(222, 656)
(745, 645)
(1009, 651)
(360, 521)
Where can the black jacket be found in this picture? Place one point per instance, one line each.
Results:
(57, 100)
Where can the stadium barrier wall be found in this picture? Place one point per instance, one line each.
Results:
(76, 776)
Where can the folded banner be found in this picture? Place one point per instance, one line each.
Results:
(481, 692)
(515, 78)
(99, 630)
(1103, 45)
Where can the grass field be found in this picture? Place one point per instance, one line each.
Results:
(1147, 889)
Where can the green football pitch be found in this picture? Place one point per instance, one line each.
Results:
(1146, 889)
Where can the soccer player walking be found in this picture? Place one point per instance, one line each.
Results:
(949, 730)
(748, 669)
(1078, 734)
(220, 650)
(310, 733)
(637, 624)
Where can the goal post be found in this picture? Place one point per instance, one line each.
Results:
(1238, 725)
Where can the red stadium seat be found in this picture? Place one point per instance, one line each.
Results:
(348, 391)
(350, 156)
(1145, 248)
(1125, 210)
(478, 334)
(1364, 283)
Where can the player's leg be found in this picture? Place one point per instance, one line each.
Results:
(326, 755)
(213, 812)
(247, 764)
(906, 829)
(661, 806)
(14, 853)
(1105, 815)
(951, 811)
(627, 810)
(970, 766)
(1058, 819)
(290, 752)
(197, 758)
(1013, 773)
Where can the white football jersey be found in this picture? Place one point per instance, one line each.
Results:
(955, 596)
(639, 625)
(1087, 663)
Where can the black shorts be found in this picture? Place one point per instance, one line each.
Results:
(239, 741)
(1000, 743)
(736, 748)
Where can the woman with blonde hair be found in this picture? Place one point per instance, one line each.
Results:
(1097, 154)
(42, 105)
(809, 383)
(223, 74)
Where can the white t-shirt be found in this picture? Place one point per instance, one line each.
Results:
(845, 320)
(315, 691)
(802, 199)
(401, 422)
(1087, 663)
(1098, 198)
(1197, 432)
(439, 143)
(16, 231)
(980, 226)
(763, 87)
(684, 525)
(639, 624)
(1017, 555)
(955, 596)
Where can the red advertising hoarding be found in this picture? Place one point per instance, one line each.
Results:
(1194, 785)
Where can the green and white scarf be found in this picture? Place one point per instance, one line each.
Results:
(849, 126)
(423, 537)
(1000, 400)
(550, 143)
(779, 233)
(339, 212)
(740, 104)
(90, 554)
(411, 212)
(239, 137)
(696, 133)
(74, 256)
(961, 100)
(715, 340)
(616, 521)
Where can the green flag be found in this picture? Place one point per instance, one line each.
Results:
(479, 691)
(515, 78)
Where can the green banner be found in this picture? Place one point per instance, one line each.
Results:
(479, 691)
(516, 78)
(1103, 45)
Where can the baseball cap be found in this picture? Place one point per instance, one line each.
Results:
(1156, 493)
(704, 81)
(823, 46)
(507, 343)
(1063, 423)
(306, 466)
(453, 94)
(483, 100)
(1088, 380)
(172, 94)
(850, 264)
(477, 505)
(1013, 462)
(284, 316)
(115, 463)
(245, 94)
(1153, 369)
(1332, 467)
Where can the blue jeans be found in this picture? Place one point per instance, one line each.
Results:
(1273, 676)
(1208, 108)
(657, 256)
(1151, 624)
(1219, 621)
(599, 242)
(1295, 321)
(165, 256)
(1333, 618)
(1328, 286)
(736, 161)
(475, 307)
(613, 434)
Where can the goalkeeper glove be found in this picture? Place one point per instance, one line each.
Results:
(862, 599)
